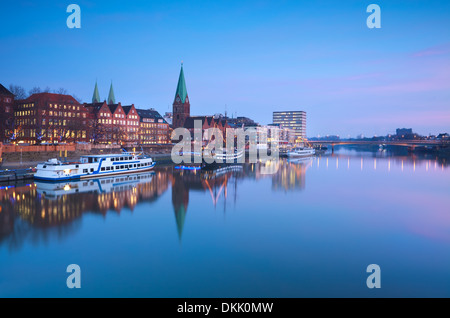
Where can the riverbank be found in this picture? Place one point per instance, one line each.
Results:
(26, 162)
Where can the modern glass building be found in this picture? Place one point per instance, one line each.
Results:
(295, 120)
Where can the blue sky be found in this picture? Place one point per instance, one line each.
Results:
(250, 57)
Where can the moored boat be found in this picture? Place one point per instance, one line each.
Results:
(216, 160)
(93, 166)
(301, 152)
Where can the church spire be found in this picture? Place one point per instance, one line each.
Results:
(181, 87)
(96, 96)
(111, 98)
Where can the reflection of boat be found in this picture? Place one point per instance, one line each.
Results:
(301, 160)
(221, 171)
(214, 160)
(93, 166)
(301, 152)
(102, 185)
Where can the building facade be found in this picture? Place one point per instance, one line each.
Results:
(6, 114)
(153, 128)
(295, 120)
(132, 124)
(50, 118)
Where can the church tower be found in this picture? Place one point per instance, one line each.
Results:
(181, 106)
(111, 97)
(96, 95)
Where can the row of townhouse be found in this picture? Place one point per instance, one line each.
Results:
(57, 118)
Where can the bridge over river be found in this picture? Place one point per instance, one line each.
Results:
(411, 144)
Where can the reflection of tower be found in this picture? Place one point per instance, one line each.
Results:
(180, 200)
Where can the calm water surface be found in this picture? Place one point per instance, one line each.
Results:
(310, 229)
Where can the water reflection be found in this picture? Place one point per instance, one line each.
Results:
(40, 210)
(44, 211)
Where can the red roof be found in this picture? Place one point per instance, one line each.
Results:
(50, 97)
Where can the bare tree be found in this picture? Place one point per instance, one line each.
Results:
(18, 91)
(34, 90)
(97, 131)
(119, 135)
(61, 91)
(77, 98)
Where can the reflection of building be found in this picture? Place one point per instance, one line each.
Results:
(48, 205)
(41, 206)
(290, 175)
(214, 182)
(180, 201)
(295, 120)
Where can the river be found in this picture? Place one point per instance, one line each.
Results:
(308, 230)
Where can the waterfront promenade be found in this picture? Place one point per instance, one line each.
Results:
(22, 157)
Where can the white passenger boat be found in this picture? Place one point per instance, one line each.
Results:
(301, 152)
(213, 160)
(93, 166)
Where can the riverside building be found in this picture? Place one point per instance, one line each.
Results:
(295, 120)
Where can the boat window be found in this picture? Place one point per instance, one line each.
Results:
(92, 169)
(117, 167)
(112, 159)
(129, 158)
(103, 169)
(121, 167)
(135, 165)
(90, 159)
(44, 167)
(85, 170)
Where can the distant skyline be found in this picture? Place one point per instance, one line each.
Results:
(248, 57)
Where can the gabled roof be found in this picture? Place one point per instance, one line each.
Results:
(126, 109)
(189, 122)
(94, 106)
(113, 107)
(181, 87)
(4, 91)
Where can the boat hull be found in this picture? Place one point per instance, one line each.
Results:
(94, 175)
(301, 153)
